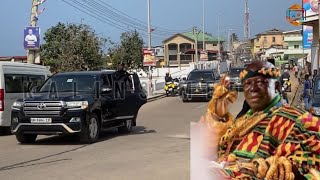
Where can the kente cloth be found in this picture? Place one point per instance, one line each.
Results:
(279, 130)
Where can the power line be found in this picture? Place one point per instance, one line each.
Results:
(97, 16)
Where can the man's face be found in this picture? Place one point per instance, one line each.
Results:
(30, 31)
(259, 92)
(315, 72)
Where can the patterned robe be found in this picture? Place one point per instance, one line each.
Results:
(283, 130)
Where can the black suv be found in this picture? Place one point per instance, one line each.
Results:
(234, 75)
(199, 84)
(82, 103)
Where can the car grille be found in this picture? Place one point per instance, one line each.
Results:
(197, 88)
(42, 108)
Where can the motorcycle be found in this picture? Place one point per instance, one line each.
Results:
(286, 87)
(171, 88)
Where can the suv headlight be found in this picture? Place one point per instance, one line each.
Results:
(210, 85)
(77, 104)
(17, 105)
(316, 111)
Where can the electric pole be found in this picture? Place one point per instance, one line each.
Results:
(150, 92)
(195, 31)
(32, 54)
(203, 28)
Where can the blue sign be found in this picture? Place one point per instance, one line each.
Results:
(307, 37)
(31, 38)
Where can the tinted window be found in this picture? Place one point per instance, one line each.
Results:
(15, 83)
(201, 76)
(235, 71)
(70, 83)
(317, 86)
(36, 80)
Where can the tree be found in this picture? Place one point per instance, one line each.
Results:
(129, 51)
(71, 47)
(234, 37)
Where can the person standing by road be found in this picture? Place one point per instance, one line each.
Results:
(307, 92)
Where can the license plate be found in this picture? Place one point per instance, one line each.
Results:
(41, 120)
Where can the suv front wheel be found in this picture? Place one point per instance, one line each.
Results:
(90, 131)
(26, 138)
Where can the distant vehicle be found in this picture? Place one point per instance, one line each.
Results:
(83, 103)
(16, 80)
(199, 84)
(234, 75)
(315, 97)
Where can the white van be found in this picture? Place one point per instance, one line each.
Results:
(15, 78)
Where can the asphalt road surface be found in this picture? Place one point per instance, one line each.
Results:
(159, 148)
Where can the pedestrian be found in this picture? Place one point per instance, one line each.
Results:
(307, 92)
(295, 69)
(315, 73)
(270, 140)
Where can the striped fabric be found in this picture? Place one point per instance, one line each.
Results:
(286, 131)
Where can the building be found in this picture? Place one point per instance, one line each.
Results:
(180, 48)
(273, 38)
(312, 20)
(14, 58)
(294, 42)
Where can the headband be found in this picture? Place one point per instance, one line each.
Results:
(273, 73)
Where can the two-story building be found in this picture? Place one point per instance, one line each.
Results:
(294, 41)
(273, 38)
(180, 49)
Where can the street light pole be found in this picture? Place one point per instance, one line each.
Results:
(149, 48)
(219, 53)
(203, 27)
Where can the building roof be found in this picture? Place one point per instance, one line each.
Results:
(299, 31)
(271, 32)
(192, 37)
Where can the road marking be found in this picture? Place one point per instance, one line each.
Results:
(179, 136)
(201, 106)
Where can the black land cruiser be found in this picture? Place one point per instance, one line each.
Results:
(82, 103)
(199, 84)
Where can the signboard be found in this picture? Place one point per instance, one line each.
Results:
(295, 15)
(31, 38)
(203, 56)
(311, 7)
(149, 57)
(307, 37)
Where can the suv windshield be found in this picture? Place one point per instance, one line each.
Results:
(201, 76)
(69, 83)
(235, 71)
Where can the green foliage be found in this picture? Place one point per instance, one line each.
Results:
(129, 51)
(71, 47)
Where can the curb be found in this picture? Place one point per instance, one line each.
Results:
(156, 97)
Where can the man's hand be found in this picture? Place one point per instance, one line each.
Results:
(225, 98)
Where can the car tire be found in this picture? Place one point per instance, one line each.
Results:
(26, 138)
(184, 98)
(127, 128)
(90, 131)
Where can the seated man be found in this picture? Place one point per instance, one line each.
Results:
(268, 140)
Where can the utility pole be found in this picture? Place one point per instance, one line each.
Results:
(150, 92)
(219, 53)
(195, 31)
(33, 54)
(203, 27)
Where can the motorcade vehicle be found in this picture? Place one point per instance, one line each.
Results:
(315, 97)
(234, 75)
(199, 84)
(16, 79)
(172, 88)
(82, 103)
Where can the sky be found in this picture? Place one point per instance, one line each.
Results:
(221, 17)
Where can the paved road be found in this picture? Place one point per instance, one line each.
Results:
(158, 149)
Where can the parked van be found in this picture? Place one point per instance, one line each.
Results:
(16, 79)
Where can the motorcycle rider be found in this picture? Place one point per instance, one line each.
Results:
(285, 75)
(168, 78)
